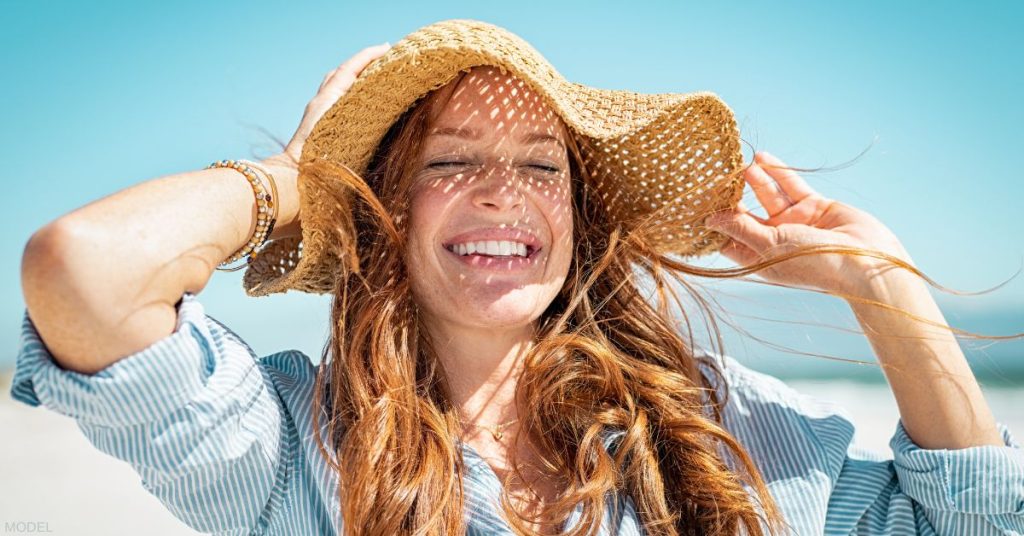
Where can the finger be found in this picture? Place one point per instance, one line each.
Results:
(327, 78)
(768, 192)
(792, 184)
(742, 207)
(742, 227)
(356, 63)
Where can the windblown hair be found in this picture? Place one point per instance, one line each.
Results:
(605, 359)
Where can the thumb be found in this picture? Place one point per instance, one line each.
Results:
(743, 228)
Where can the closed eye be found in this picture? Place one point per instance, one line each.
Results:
(447, 164)
(454, 163)
(549, 169)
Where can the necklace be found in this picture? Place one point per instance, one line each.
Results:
(496, 431)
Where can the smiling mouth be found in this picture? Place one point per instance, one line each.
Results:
(530, 252)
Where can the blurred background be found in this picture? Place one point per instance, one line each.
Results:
(100, 96)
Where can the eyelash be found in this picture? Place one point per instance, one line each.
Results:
(445, 164)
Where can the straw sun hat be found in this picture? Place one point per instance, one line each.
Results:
(641, 150)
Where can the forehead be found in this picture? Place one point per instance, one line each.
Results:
(485, 97)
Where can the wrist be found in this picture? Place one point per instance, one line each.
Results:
(282, 159)
(285, 174)
(877, 278)
(891, 285)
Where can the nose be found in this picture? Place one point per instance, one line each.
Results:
(499, 188)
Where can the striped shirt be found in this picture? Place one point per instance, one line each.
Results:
(224, 439)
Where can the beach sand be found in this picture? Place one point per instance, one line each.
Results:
(55, 478)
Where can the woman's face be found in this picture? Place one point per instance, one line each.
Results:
(491, 183)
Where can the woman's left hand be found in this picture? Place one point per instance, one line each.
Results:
(798, 216)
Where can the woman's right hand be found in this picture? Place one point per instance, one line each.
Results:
(334, 85)
(284, 165)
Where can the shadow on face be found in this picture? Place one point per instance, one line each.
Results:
(490, 219)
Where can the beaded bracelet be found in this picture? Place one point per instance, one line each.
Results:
(265, 202)
(273, 187)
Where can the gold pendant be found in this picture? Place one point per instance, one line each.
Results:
(497, 434)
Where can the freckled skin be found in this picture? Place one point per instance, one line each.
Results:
(493, 181)
(482, 321)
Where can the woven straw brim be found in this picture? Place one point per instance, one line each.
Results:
(642, 151)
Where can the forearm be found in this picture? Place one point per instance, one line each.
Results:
(102, 280)
(939, 399)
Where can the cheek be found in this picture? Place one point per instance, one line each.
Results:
(427, 211)
(432, 194)
(425, 206)
(558, 212)
(557, 206)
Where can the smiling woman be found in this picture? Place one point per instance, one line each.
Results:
(480, 306)
(511, 361)
(495, 365)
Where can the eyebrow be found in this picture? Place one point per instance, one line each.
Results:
(465, 132)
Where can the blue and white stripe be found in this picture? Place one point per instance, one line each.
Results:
(224, 438)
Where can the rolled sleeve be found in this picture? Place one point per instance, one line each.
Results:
(805, 451)
(139, 388)
(986, 479)
(965, 492)
(195, 414)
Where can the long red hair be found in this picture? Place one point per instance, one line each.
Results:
(605, 359)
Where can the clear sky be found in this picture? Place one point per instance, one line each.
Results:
(97, 96)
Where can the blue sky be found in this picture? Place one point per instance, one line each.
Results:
(99, 96)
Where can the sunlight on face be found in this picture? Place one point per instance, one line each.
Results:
(491, 184)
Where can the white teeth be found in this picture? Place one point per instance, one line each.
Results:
(491, 247)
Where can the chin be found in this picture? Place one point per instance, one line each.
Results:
(514, 309)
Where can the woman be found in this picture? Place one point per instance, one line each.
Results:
(494, 366)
